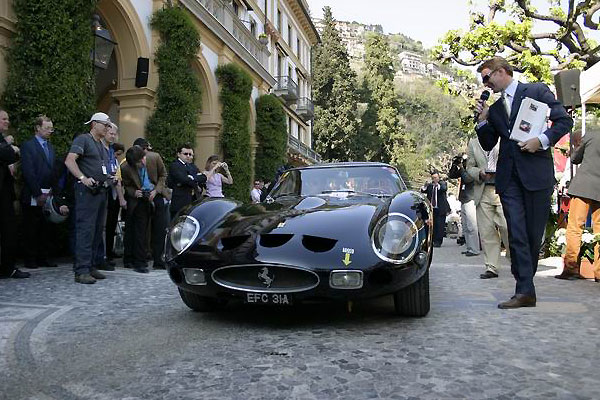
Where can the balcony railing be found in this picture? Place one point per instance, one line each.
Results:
(299, 147)
(286, 88)
(305, 108)
(227, 17)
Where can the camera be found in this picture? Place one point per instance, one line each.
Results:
(146, 193)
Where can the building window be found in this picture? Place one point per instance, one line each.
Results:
(279, 20)
(290, 36)
(253, 27)
(298, 47)
(236, 8)
(289, 125)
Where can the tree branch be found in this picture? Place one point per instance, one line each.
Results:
(532, 14)
(589, 14)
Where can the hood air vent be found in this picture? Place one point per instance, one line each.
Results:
(318, 244)
(231, 242)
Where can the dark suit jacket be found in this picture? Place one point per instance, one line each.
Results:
(38, 171)
(536, 170)
(131, 182)
(7, 157)
(183, 179)
(442, 198)
(157, 173)
(586, 182)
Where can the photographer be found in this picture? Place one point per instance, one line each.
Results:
(436, 192)
(140, 194)
(214, 183)
(88, 162)
(458, 170)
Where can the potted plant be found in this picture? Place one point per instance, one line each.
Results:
(586, 251)
(263, 39)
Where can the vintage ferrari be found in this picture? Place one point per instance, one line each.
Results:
(342, 231)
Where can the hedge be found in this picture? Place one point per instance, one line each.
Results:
(178, 96)
(271, 134)
(49, 68)
(235, 89)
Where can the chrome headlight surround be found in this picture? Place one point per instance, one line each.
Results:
(183, 233)
(395, 238)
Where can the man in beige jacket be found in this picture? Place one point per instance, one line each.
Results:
(481, 166)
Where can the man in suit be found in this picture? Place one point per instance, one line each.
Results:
(437, 194)
(184, 178)
(525, 171)
(37, 165)
(481, 167)
(9, 154)
(584, 191)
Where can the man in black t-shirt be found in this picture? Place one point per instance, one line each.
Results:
(88, 162)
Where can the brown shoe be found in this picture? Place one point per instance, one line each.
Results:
(84, 278)
(96, 274)
(569, 276)
(517, 301)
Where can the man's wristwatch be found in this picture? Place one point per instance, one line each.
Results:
(82, 177)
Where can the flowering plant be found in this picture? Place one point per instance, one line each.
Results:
(588, 242)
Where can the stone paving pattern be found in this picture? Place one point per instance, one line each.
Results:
(130, 337)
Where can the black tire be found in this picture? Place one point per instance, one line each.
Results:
(413, 300)
(197, 302)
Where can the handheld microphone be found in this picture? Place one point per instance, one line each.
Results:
(484, 96)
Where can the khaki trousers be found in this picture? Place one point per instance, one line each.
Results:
(492, 227)
(578, 212)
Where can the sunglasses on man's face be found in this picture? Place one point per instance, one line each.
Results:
(486, 78)
(188, 154)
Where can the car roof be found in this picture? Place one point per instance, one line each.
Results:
(348, 164)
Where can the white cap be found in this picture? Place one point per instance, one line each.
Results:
(99, 117)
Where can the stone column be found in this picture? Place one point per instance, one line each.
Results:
(135, 107)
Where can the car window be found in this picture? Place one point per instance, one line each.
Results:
(376, 180)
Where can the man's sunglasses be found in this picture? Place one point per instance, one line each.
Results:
(188, 154)
(486, 78)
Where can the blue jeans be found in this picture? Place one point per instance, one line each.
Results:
(90, 215)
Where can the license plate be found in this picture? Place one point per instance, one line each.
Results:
(280, 299)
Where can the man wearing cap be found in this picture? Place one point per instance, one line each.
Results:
(88, 162)
(159, 218)
(37, 165)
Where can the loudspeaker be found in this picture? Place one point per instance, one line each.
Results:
(141, 74)
(567, 87)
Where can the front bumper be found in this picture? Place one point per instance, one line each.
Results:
(378, 280)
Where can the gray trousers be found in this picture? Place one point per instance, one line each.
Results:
(90, 215)
(468, 213)
(492, 227)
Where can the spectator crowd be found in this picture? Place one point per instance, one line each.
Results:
(102, 191)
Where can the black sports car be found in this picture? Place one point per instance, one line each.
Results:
(341, 231)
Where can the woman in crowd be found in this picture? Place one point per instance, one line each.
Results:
(214, 184)
(140, 195)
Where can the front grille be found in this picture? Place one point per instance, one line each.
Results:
(265, 278)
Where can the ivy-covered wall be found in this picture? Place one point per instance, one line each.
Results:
(178, 94)
(271, 134)
(235, 89)
(49, 68)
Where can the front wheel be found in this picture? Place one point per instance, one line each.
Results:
(413, 300)
(197, 302)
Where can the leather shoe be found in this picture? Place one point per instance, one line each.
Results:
(488, 275)
(470, 254)
(106, 267)
(85, 279)
(96, 274)
(517, 301)
(568, 276)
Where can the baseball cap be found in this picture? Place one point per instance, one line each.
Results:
(143, 143)
(99, 117)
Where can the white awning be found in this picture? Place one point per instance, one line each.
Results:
(589, 85)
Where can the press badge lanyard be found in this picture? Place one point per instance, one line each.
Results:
(100, 153)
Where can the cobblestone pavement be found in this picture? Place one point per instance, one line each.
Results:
(131, 337)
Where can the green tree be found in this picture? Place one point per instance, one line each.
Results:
(236, 87)
(381, 127)
(178, 95)
(565, 40)
(49, 68)
(334, 96)
(271, 134)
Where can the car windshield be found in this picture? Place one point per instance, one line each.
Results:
(372, 180)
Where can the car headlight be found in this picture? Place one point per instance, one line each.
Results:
(184, 232)
(395, 238)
